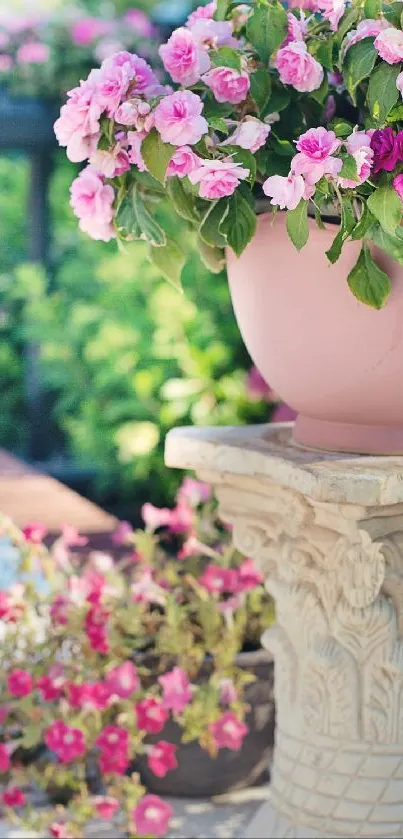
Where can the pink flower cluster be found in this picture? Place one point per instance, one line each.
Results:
(314, 160)
(219, 580)
(228, 732)
(66, 742)
(113, 744)
(367, 28)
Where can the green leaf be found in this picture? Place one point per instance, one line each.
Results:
(170, 261)
(349, 168)
(244, 158)
(368, 283)
(395, 115)
(212, 108)
(382, 91)
(135, 221)
(221, 11)
(213, 258)
(392, 12)
(183, 201)
(392, 245)
(210, 227)
(347, 224)
(226, 57)
(386, 206)
(32, 735)
(260, 87)
(282, 147)
(267, 28)
(347, 22)
(341, 127)
(297, 224)
(219, 124)
(359, 63)
(320, 94)
(156, 155)
(324, 53)
(279, 100)
(240, 224)
(363, 225)
(372, 9)
(318, 219)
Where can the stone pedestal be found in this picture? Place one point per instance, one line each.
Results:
(327, 533)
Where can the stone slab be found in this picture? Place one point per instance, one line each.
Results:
(269, 452)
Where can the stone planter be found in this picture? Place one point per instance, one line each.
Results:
(199, 775)
(332, 359)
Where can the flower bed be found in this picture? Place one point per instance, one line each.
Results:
(102, 660)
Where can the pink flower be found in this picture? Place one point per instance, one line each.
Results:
(113, 743)
(59, 610)
(178, 118)
(137, 113)
(33, 52)
(4, 712)
(183, 58)
(151, 715)
(122, 533)
(358, 145)
(146, 590)
(217, 580)
(51, 687)
(228, 732)
(313, 170)
(6, 607)
(250, 134)
(248, 576)
(155, 517)
(332, 10)
(88, 29)
(4, 759)
(13, 797)
(6, 63)
(297, 27)
(389, 44)
(162, 758)
(151, 816)
(92, 201)
(385, 148)
(34, 532)
(193, 492)
(228, 692)
(60, 831)
(20, 683)
(318, 143)
(398, 185)
(218, 178)
(123, 680)
(202, 13)
(112, 87)
(106, 807)
(228, 85)
(211, 34)
(96, 623)
(176, 690)
(367, 28)
(135, 139)
(298, 68)
(142, 79)
(66, 742)
(399, 83)
(110, 163)
(78, 126)
(139, 22)
(182, 162)
(72, 538)
(286, 193)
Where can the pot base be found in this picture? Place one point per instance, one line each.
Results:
(348, 437)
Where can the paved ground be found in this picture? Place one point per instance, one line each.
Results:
(226, 817)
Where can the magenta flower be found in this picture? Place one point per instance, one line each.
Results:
(113, 743)
(248, 576)
(285, 193)
(20, 683)
(13, 797)
(385, 150)
(228, 692)
(218, 178)
(298, 68)
(178, 118)
(162, 758)
(228, 85)
(106, 807)
(6, 606)
(398, 185)
(176, 690)
(155, 517)
(92, 201)
(218, 580)
(183, 58)
(59, 610)
(139, 22)
(51, 687)
(60, 831)
(358, 145)
(33, 52)
(318, 144)
(96, 628)
(66, 742)
(123, 680)
(122, 533)
(151, 715)
(35, 532)
(389, 44)
(151, 816)
(146, 590)
(228, 732)
(202, 13)
(182, 162)
(367, 28)
(193, 492)
(4, 759)
(87, 29)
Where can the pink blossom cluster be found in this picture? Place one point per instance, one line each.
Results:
(219, 580)
(332, 10)
(316, 159)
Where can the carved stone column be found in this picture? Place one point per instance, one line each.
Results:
(327, 532)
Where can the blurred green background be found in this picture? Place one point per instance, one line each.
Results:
(123, 356)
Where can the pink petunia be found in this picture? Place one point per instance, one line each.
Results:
(178, 118)
(162, 758)
(106, 807)
(34, 532)
(123, 680)
(176, 690)
(228, 732)
(151, 816)
(51, 687)
(193, 492)
(33, 52)
(218, 580)
(20, 683)
(113, 743)
(151, 715)
(218, 178)
(66, 742)
(4, 759)
(13, 797)
(248, 576)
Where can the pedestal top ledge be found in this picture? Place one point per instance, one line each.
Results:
(269, 452)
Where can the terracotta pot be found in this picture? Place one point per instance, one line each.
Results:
(335, 361)
(199, 775)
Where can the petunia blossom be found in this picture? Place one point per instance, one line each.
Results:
(151, 816)
(162, 758)
(66, 742)
(228, 732)
(176, 690)
(151, 715)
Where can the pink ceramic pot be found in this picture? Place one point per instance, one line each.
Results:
(337, 362)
